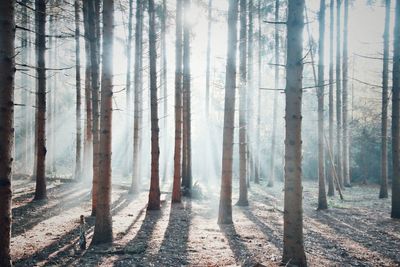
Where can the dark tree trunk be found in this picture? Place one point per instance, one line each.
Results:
(225, 201)
(103, 227)
(293, 246)
(40, 17)
(78, 159)
(154, 194)
(7, 67)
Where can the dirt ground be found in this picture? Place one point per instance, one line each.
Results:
(354, 232)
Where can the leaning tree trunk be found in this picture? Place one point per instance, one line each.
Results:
(78, 159)
(103, 226)
(176, 191)
(243, 201)
(322, 202)
(395, 117)
(208, 63)
(154, 194)
(345, 148)
(339, 158)
(275, 112)
(7, 67)
(383, 192)
(293, 247)
(40, 17)
(331, 189)
(225, 201)
(137, 113)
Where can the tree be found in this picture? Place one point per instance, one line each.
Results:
(225, 201)
(164, 81)
(383, 192)
(339, 158)
(103, 226)
(40, 17)
(293, 247)
(243, 201)
(395, 213)
(176, 191)
(257, 140)
(78, 160)
(137, 113)
(154, 194)
(331, 189)
(345, 149)
(7, 67)
(322, 202)
(250, 96)
(186, 88)
(275, 111)
(208, 63)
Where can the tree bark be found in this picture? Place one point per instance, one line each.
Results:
(24, 84)
(78, 159)
(322, 202)
(250, 96)
(331, 187)
(176, 191)
(103, 226)
(7, 73)
(383, 192)
(275, 112)
(339, 158)
(40, 17)
(243, 152)
(225, 202)
(293, 247)
(258, 94)
(395, 213)
(154, 194)
(164, 84)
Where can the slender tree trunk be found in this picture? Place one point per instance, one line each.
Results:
(7, 73)
(186, 86)
(243, 153)
(258, 95)
(275, 112)
(345, 149)
(339, 158)
(331, 189)
(88, 142)
(138, 97)
(225, 201)
(103, 227)
(94, 59)
(250, 95)
(395, 117)
(164, 84)
(322, 202)
(383, 192)
(24, 85)
(78, 160)
(154, 194)
(293, 247)
(40, 17)
(176, 191)
(208, 63)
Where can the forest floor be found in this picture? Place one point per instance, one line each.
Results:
(355, 232)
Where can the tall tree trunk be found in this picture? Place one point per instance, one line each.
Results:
(164, 84)
(225, 201)
(383, 192)
(186, 87)
(208, 62)
(24, 85)
(258, 95)
(40, 17)
(95, 62)
(88, 142)
(7, 67)
(322, 202)
(154, 194)
(331, 189)
(243, 153)
(78, 160)
(275, 112)
(250, 96)
(103, 226)
(345, 148)
(176, 191)
(395, 117)
(339, 158)
(137, 114)
(293, 247)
